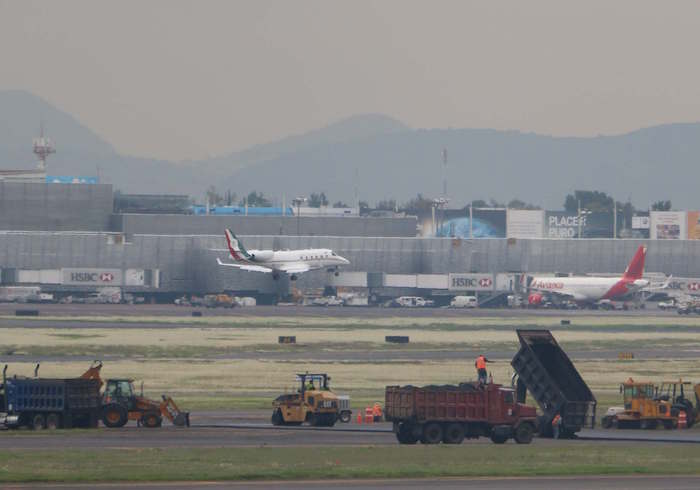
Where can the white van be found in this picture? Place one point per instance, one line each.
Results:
(464, 302)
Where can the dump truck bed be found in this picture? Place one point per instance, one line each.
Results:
(553, 380)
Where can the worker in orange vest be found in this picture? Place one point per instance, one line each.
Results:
(377, 412)
(480, 365)
(556, 425)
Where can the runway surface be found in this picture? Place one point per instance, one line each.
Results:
(534, 483)
(69, 310)
(253, 429)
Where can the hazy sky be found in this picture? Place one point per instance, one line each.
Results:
(187, 79)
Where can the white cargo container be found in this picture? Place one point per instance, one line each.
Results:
(432, 281)
(400, 280)
(348, 279)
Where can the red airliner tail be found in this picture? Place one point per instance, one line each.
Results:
(636, 267)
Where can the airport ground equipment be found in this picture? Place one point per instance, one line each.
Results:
(49, 403)
(313, 402)
(451, 413)
(120, 403)
(643, 408)
(543, 368)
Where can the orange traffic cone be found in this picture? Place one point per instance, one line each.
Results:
(369, 415)
(359, 418)
(682, 420)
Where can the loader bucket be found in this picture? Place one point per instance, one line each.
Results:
(182, 419)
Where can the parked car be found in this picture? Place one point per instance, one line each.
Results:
(413, 302)
(464, 302)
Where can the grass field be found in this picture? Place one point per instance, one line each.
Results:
(271, 463)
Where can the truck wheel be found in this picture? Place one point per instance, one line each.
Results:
(523, 434)
(345, 416)
(53, 421)
(453, 434)
(151, 420)
(276, 418)
(114, 415)
(432, 434)
(38, 422)
(498, 438)
(405, 434)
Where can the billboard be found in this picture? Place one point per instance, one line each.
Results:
(684, 285)
(92, 277)
(562, 224)
(70, 179)
(470, 282)
(522, 223)
(693, 225)
(668, 225)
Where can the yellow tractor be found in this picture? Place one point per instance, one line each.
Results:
(120, 403)
(644, 408)
(314, 402)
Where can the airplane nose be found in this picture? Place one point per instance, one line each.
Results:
(344, 260)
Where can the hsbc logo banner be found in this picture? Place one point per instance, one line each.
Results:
(92, 277)
(471, 282)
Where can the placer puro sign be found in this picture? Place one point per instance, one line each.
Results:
(85, 276)
(471, 282)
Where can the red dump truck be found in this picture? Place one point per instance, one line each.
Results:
(449, 413)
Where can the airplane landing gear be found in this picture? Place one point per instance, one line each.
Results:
(293, 277)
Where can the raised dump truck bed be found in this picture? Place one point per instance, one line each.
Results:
(448, 413)
(545, 370)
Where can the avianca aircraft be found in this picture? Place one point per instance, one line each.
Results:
(292, 262)
(591, 289)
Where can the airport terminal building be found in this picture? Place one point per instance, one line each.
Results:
(67, 239)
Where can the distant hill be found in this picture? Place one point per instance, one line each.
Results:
(384, 158)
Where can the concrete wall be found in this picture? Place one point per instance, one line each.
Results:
(37, 206)
(172, 224)
(188, 263)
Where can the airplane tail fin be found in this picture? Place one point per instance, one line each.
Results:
(235, 247)
(635, 269)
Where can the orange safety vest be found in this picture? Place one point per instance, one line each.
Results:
(377, 411)
(556, 420)
(480, 362)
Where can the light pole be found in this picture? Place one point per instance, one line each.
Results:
(298, 201)
(581, 213)
(439, 203)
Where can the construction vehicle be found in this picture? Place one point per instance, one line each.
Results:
(644, 408)
(314, 402)
(48, 403)
(120, 403)
(543, 368)
(216, 300)
(449, 414)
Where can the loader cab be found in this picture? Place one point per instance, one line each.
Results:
(120, 391)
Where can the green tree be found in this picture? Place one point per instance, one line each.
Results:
(595, 201)
(318, 200)
(418, 203)
(661, 206)
(387, 205)
(255, 199)
(340, 204)
(213, 196)
(518, 204)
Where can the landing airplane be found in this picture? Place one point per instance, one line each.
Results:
(292, 262)
(592, 289)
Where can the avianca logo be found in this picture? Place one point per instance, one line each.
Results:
(549, 285)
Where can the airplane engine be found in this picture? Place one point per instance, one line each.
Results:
(534, 299)
(262, 255)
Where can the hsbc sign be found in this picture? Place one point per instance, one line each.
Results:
(96, 277)
(471, 282)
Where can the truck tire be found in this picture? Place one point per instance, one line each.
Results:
(498, 438)
(277, 418)
(114, 415)
(345, 416)
(453, 434)
(405, 434)
(38, 422)
(53, 421)
(432, 433)
(523, 433)
(151, 420)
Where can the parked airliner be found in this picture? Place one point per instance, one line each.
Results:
(292, 262)
(591, 289)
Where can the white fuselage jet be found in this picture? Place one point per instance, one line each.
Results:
(292, 262)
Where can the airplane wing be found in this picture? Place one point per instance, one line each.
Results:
(294, 268)
(245, 267)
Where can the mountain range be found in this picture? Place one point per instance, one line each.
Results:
(377, 157)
